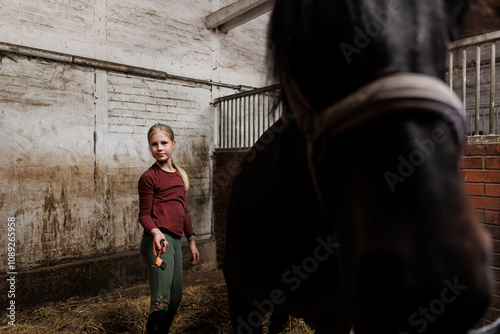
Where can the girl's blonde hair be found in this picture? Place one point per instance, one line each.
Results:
(170, 134)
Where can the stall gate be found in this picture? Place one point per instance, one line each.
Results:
(243, 117)
(472, 75)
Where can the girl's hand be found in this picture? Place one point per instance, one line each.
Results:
(194, 252)
(157, 237)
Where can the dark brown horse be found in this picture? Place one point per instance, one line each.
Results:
(350, 210)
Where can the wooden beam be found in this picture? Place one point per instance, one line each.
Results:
(238, 13)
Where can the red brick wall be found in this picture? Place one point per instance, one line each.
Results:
(481, 173)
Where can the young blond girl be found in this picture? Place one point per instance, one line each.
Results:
(165, 216)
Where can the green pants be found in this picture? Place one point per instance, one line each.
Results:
(165, 285)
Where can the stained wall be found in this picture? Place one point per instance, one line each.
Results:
(73, 137)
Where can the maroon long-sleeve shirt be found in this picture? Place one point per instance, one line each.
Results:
(162, 202)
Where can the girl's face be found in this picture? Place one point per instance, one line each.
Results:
(161, 146)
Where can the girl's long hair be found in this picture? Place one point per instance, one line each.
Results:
(170, 134)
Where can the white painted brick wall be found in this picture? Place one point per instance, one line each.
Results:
(168, 36)
(74, 138)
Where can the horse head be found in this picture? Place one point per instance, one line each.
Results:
(365, 80)
(332, 48)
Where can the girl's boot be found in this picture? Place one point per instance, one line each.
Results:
(159, 322)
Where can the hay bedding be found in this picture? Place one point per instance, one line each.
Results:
(203, 310)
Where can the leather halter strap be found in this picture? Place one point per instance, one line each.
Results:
(396, 92)
(390, 94)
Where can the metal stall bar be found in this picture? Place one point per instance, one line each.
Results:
(221, 124)
(478, 89)
(243, 123)
(228, 113)
(254, 112)
(259, 114)
(249, 121)
(222, 132)
(492, 88)
(231, 125)
(269, 108)
(264, 125)
(239, 126)
(226, 125)
(464, 76)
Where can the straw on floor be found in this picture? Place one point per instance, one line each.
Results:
(203, 310)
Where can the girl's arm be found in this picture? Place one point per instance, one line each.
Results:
(194, 252)
(190, 236)
(146, 196)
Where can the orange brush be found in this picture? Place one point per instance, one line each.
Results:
(159, 262)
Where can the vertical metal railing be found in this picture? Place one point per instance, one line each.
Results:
(474, 61)
(242, 118)
(493, 88)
